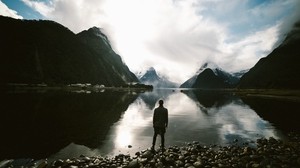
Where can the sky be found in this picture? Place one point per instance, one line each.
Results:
(176, 37)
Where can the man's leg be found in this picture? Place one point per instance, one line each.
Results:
(154, 138)
(162, 140)
(162, 135)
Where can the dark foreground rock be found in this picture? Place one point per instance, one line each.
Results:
(267, 153)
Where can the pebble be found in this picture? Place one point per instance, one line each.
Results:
(267, 153)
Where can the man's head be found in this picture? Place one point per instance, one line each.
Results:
(160, 102)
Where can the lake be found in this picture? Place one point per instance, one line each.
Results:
(61, 124)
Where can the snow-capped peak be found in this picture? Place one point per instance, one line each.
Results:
(209, 65)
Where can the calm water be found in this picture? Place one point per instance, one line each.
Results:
(64, 124)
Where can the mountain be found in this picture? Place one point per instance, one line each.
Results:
(210, 76)
(280, 69)
(112, 62)
(189, 83)
(46, 52)
(210, 79)
(151, 77)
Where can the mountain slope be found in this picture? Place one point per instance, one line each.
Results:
(112, 62)
(47, 52)
(189, 83)
(209, 80)
(210, 76)
(280, 69)
(151, 78)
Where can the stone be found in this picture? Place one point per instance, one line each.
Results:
(197, 164)
(133, 164)
(191, 167)
(179, 163)
(148, 154)
(5, 163)
(181, 157)
(187, 165)
(73, 166)
(143, 160)
(42, 164)
(138, 153)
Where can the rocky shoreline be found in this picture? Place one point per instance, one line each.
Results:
(267, 153)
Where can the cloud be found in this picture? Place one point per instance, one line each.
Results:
(243, 54)
(42, 7)
(177, 36)
(5, 11)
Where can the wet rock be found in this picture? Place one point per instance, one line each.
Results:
(170, 161)
(179, 163)
(247, 150)
(143, 160)
(188, 165)
(138, 153)
(41, 164)
(198, 164)
(181, 157)
(129, 146)
(58, 163)
(133, 164)
(152, 162)
(148, 154)
(255, 165)
(72, 166)
(5, 163)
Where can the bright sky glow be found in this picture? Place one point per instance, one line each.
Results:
(174, 36)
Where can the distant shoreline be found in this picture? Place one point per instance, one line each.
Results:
(74, 87)
(284, 94)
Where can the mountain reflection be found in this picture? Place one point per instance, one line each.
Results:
(150, 98)
(284, 114)
(208, 99)
(39, 124)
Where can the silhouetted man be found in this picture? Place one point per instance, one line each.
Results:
(160, 122)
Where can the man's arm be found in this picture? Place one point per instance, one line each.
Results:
(167, 116)
(154, 116)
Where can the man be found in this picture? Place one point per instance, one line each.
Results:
(160, 123)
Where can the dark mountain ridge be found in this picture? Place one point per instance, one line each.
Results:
(209, 79)
(280, 69)
(210, 76)
(46, 52)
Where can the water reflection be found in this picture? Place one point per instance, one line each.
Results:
(63, 125)
(222, 119)
(284, 114)
(37, 125)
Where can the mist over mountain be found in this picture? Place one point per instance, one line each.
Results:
(210, 76)
(280, 69)
(150, 77)
(239, 74)
(46, 52)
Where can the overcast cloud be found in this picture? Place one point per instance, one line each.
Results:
(177, 36)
